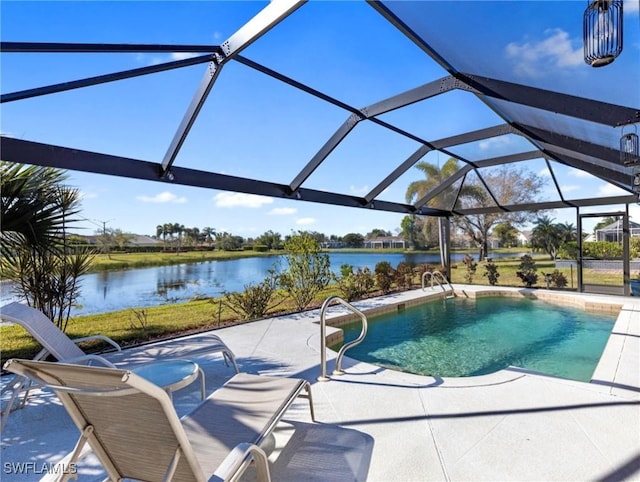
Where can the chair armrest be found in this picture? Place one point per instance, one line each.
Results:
(96, 358)
(237, 462)
(98, 337)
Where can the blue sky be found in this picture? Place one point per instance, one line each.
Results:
(254, 126)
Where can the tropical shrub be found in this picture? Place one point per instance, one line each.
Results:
(634, 246)
(256, 300)
(568, 250)
(527, 271)
(308, 271)
(601, 250)
(384, 275)
(354, 286)
(557, 279)
(471, 267)
(404, 275)
(491, 272)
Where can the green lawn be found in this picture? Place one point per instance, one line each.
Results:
(111, 261)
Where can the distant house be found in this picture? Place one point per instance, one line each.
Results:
(140, 240)
(332, 244)
(613, 232)
(136, 240)
(385, 242)
(524, 238)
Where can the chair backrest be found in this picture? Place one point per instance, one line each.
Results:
(42, 329)
(136, 432)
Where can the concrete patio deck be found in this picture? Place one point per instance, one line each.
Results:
(380, 425)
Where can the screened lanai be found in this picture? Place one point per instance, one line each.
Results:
(344, 99)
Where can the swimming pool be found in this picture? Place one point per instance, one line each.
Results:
(462, 337)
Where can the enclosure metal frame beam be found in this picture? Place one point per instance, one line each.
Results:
(604, 156)
(522, 156)
(463, 171)
(474, 136)
(260, 24)
(418, 94)
(398, 171)
(617, 178)
(440, 144)
(626, 256)
(578, 107)
(590, 202)
(409, 33)
(47, 155)
(357, 115)
(412, 96)
(556, 184)
(581, 108)
(102, 79)
(96, 48)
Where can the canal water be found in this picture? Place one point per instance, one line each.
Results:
(115, 290)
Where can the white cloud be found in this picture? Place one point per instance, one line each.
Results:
(359, 190)
(163, 197)
(578, 173)
(544, 172)
(611, 190)
(569, 188)
(305, 221)
(499, 141)
(182, 55)
(147, 59)
(236, 199)
(537, 58)
(282, 211)
(631, 7)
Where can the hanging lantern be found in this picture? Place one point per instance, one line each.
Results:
(629, 148)
(602, 32)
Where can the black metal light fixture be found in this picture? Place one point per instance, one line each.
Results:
(629, 148)
(602, 32)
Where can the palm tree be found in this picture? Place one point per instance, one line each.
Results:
(546, 235)
(179, 230)
(209, 234)
(36, 212)
(434, 176)
(30, 211)
(568, 232)
(160, 232)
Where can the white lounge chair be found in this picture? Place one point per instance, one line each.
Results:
(133, 429)
(57, 344)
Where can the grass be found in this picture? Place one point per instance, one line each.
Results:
(118, 261)
(137, 325)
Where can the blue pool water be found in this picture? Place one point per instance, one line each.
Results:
(461, 337)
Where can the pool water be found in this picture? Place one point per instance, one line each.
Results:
(461, 337)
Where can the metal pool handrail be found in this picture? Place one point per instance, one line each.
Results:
(434, 277)
(323, 337)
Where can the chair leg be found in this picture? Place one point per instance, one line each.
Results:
(307, 388)
(16, 386)
(203, 392)
(230, 358)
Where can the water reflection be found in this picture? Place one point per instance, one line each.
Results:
(115, 290)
